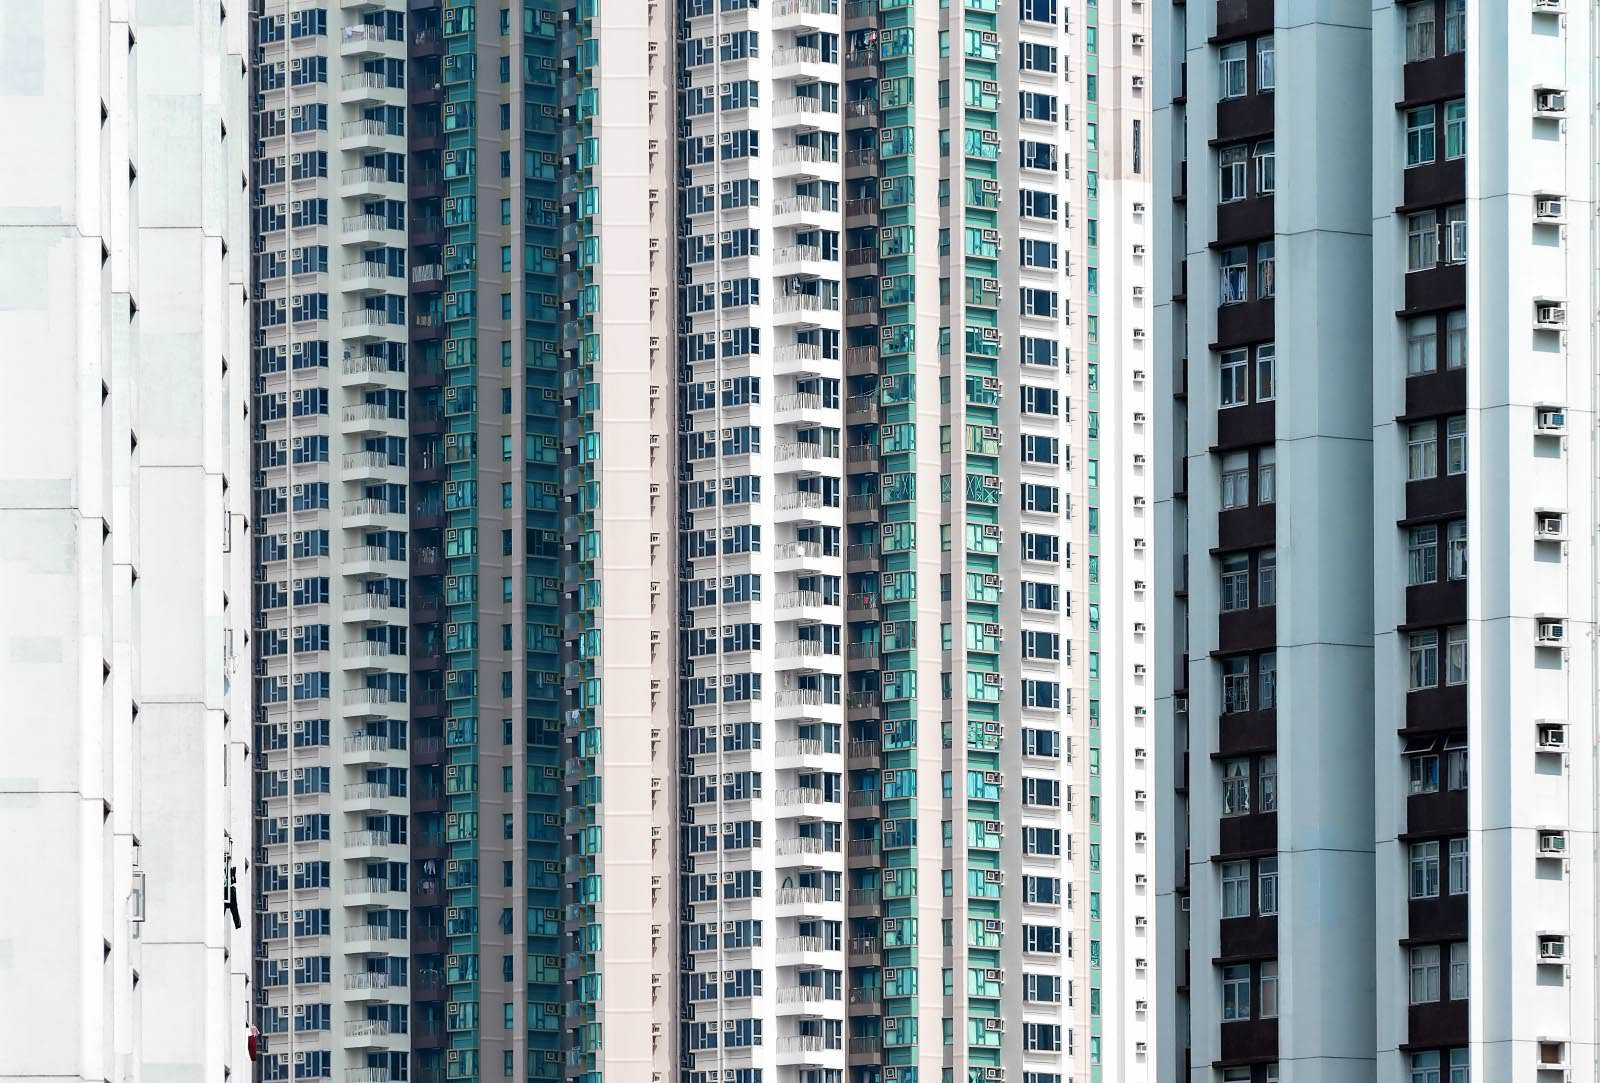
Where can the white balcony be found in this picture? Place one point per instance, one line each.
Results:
(364, 749)
(805, 803)
(370, 796)
(369, 88)
(367, 562)
(799, 62)
(799, 212)
(368, 656)
(803, 902)
(799, 161)
(808, 1000)
(369, 939)
(797, 457)
(372, 466)
(804, 753)
(368, 513)
(805, 656)
(798, 556)
(806, 606)
(368, 136)
(367, 231)
(370, 419)
(365, 703)
(370, 846)
(366, 986)
(800, 14)
(366, 1033)
(363, 891)
(797, 1050)
(369, 182)
(805, 310)
(366, 41)
(802, 357)
(367, 277)
(371, 325)
(369, 609)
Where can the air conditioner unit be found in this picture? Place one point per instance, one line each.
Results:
(1138, 41)
(1140, 795)
(1552, 737)
(1139, 879)
(1552, 633)
(1552, 948)
(1550, 314)
(1139, 838)
(1548, 207)
(1138, 208)
(1138, 82)
(994, 975)
(1546, 6)
(1138, 543)
(1138, 334)
(994, 1024)
(1138, 291)
(1138, 250)
(1549, 100)
(1141, 1006)
(1550, 419)
(1552, 844)
(1551, 525)
(1184, 904)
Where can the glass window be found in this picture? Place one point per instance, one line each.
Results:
(1268, 783)
(1266, 64)
(1235, 582)
(1425, 974)
(1455, 768)
(1458, 866)
(1266, 167)
(1456, 549)
(1235, 76)
(1420, 136)
(1455, 339)
(1235, 993)
(1455, 234)
(1267, 679)
(1455, 445)
(1266, 269)
(1266, 476)
(1423, 651)
(1236, 480)
(1235, 685)
(1422, 451)
(1236, 788)
(1235, 383)
(1459, 1065)
(1422, 345)
(1455, 26)
(1266, 374)
(1458, 982)
(1235, 283)
(1424, 770)
(1233, 176)
(1422, 241)
(1455, 130)
(1269, 989)
(1267, 578)
(1455, 655)
(1267, 885)
(1421, 32)
(1236, 889)
(1424, 870)
(1422, 555)
(1425, 1066)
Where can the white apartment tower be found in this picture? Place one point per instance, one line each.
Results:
(124, 796)
(1377, 682)
(915, 532)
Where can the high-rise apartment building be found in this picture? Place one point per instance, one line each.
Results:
(124, 793)
(704, 523)
(1376, 679)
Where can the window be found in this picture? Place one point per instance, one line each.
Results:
(1455, 130)
(1234, 387)
(1266, 167)
(1424, 870)
(1458, 866)
(1235, 284)
(1235, 993)
(1235, 74)
(1422, 451)
(1269, 989)
(1422, 241)
(1458, 981)
(1423, 652)
(1267, 885)
(1424, 770)
(1235, 685)
(1455, 26)
(1460, 1066)
(1455, 445)
(1266, 269)
(1236, 480)
(1266, 64)
(1421, 135)
(1455, 339)
(1267, 578)
(1422, 345)
(1420, 31)
(1267, 783)
(1039, 11)
(1456, 549)
(1422, 555)
(1267, 679)
(1266, 476)
(1233, 174)
(1455, 234)
(1425, 974)
(1425, 1066)
(1455, 766)
(1455, 655)
(1038, 57)
(1235, 582)
(1236, 788)
(1236, 889)
(1266, 372)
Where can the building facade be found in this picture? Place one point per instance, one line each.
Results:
(125, 796)
(1376, 687)
(690, 615)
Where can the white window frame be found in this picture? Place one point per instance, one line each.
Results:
(1233, 70)
(1236, 889)
(1422, 345)
(1422, 966)
(1233, 173)
(1422, 664)
(1422, 555)
(1422, 451)
(1233, 387)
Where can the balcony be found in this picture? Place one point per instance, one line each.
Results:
(365, 277)
(365, 891)
(366, 608)
(805, 309)
(803, 1000)
(368, 986)
(368, 512)
(861, 409)
(799, 508)
(371, 796)
(802, 162)
(366, 562)
(799, 408)
(798, 62)
(371, 325)
(799, 556)
(368, 182)
(362, 371)
(805, 803)
(369, 939)
(366, 1033)
(804, 753)
(806, 853)
(803, 459)
(368, 88)
(805, 14)
(862, 755)
(797, 212)
(368, 136)
(806, 606)
(369, 42)
(799, 1049)
(366, 231)
(795, 950)
(370, 419)
(367, 656)
(368, 749)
